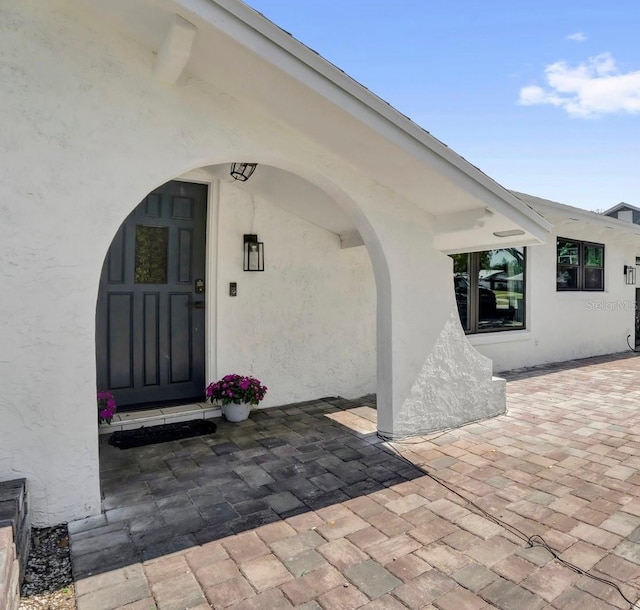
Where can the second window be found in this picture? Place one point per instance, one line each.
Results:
(580, 265)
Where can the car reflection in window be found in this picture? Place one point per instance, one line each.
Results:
(490, 314)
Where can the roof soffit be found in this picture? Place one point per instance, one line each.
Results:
(257, 61)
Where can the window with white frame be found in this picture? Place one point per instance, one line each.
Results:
(580, 265)
(490, 289)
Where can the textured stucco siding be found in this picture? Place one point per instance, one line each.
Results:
(306, 326)
(86, 133)
(568, 325)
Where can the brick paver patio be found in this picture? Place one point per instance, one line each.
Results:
(303, 506)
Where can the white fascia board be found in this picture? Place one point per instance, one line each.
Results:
(257, 33)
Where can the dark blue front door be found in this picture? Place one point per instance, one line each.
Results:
(150, 314)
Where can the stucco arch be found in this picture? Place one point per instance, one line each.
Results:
(347, 201)
(428, 376)
(218, 172)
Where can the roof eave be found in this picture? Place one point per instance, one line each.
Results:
(252, 29)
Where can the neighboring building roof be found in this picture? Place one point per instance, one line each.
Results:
(620, 206)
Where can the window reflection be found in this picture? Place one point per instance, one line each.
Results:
(489, 288)
(501, 289)
(461, 284)
(580, 265)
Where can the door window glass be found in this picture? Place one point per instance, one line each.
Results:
(151, 255)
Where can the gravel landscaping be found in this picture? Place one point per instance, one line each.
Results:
(48, 582)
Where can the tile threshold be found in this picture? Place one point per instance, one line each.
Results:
(162, 415)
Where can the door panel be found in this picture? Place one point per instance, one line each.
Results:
(149, 334)
(119, 347)
(151, 315)
(179, 323)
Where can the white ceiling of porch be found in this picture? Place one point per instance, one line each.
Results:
(294, 194)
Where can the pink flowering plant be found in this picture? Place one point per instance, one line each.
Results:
(237, 389)
(106, 407)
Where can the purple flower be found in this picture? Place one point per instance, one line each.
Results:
(106, 406)
(236, 388)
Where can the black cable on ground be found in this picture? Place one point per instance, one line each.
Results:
(405, 440)
(532, 541)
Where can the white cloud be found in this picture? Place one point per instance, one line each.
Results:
(593, 88)
(577, 37)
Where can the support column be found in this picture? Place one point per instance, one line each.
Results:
(429, 376)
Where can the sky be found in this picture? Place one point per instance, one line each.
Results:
(543, 96)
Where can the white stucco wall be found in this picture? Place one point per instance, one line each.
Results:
(86, 133)
(306, 326)
(568, 325)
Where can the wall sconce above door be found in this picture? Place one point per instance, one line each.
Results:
(253, 253)
(629, 274)
(242, 171)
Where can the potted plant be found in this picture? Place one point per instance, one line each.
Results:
(237, 394)
(106, 407)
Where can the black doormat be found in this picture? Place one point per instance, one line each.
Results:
(150, 435)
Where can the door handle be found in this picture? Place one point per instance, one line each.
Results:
(198, 304)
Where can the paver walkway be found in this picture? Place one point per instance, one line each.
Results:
(303, 506)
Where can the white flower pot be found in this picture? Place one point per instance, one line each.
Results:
(235, 413)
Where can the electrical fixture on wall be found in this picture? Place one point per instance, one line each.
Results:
(630, 274)
(253, 253)
(242, 171)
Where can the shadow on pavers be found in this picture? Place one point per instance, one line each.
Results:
(282, 462)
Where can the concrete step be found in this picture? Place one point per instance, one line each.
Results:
(160, 415)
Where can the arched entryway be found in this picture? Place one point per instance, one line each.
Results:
(167, 323)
